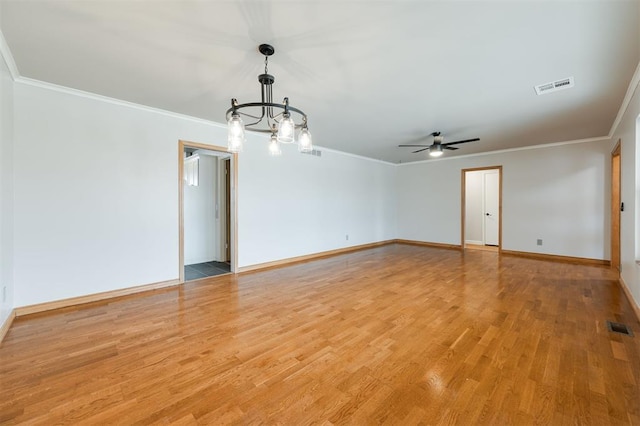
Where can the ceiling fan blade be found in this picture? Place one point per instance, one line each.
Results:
(413, 145)
(420, 150)
(464, 141)
(452, 148)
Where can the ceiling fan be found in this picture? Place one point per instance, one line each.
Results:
(436, 149)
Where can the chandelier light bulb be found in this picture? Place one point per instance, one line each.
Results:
(235, 134)
(286, 130)
(274, 147)
(304, 141)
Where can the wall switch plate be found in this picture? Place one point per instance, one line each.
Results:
(347, 237)
(539, 242)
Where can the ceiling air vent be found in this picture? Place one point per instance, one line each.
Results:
(315, 152)
(554, 86)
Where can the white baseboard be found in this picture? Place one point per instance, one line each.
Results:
(89, 298)
(4, 328)
(304, 258)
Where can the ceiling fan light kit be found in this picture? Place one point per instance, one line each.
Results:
(435, 150)
(264, 117)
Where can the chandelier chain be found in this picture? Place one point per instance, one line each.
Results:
(266, 62)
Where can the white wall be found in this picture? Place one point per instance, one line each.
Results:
(6, 192)
(200, 223)
(474, 199)
(96, 196)
(628, 132)
(558, 194)
(300, 204)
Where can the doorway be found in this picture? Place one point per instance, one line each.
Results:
(615, 207)
(481, 215)
(207, 211)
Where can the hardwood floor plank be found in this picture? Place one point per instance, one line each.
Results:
(398, 334)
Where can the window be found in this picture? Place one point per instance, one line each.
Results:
(191, 166)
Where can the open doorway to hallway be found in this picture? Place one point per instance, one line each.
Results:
(481, 216)
(207, 207)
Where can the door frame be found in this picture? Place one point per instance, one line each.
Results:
(227, 208)
(464, 203)
(616, 199)
(233, 226)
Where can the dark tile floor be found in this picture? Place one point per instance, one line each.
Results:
(206, 269)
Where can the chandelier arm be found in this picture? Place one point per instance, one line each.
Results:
(254, 123)
(278, 116)
(257, 117)
(262, 130)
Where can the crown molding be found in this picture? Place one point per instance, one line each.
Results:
(88, 95)
(8, 57)
(633, 86)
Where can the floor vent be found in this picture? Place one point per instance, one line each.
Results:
(616, 327)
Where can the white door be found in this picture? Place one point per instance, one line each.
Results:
(491, 209)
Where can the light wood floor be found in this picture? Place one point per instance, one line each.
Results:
(397, 335)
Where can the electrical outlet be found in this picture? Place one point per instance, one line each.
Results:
(347, 237)
(539, 242)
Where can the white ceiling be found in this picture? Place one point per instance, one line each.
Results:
(369, 74)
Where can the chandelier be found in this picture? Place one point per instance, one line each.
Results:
(267, 117)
